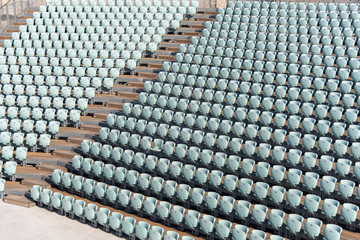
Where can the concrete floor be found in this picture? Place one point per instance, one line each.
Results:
(19, 223)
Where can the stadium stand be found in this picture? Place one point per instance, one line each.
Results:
(162, 120)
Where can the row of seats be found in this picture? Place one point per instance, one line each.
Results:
(78, 16)
(103, 216)
(89, 41)
(224, 122)
(149, 205)
(272, 36)
(128, 3)
(60, 71)
(238, 51)
(282, 85)
(262, 67)
(50, 114)
(46, 102)
(291, 6)
(115, 9)
(185, 61)
(184, 95)
(28, 126)
(188, 173)
(9, 153)
(263, 149)
(272, 83)
(284, 25)
(59, 90)
(51, 85)
(9, 168)
(180, 110)
(236, 15)
(118, 42)
(30, 140)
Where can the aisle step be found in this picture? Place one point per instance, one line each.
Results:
(19, 201)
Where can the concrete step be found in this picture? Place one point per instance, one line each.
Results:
(19, 201)
(31, 182)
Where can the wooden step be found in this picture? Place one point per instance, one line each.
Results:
(61, 145)
(182, 41)
(26, 17)
(32, 11)
(66, 132)
(116, 106)
(148, 75)
(5, 37)
(16, 188)
(93, 128)
(31, 172)
(128, 95)
(18, 23)
(139, 85)
(191, 34)
(50, 168)
(173, 49)
(101, 116)
(155, 65)
(64, 154)
(105, 98)
(11, 30)
(31, 182)
(125, 87)
(99, 109)
(19, 201)
(76, 140)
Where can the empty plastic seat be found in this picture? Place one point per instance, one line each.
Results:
(313, 227)
(311, 203)
(276, 218)
(128, 225)
(332, 231)
(207, 223)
